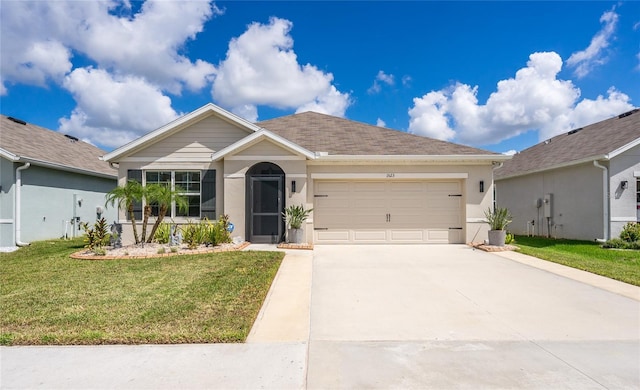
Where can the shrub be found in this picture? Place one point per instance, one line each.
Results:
(630, 232)
(498, 219)
(162, 233)
(618, 243)
(217, 232)
(96, 236)
(161, 250)
(509, 239)
(194, 234)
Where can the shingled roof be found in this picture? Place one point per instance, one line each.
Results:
(337, 136)
(592, 142)
(30, 143)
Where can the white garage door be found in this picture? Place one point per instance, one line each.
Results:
(388, 212)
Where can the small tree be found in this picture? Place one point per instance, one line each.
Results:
(164, 197)
(125, 197)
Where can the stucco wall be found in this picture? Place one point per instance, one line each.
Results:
(48, 201)
(576, 204)
(623, 201)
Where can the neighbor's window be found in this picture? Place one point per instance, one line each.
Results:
(638, 190)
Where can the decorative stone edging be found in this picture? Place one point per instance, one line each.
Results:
(285, 245)
(216, 249)
(493, 248)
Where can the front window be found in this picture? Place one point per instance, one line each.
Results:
(186, 183)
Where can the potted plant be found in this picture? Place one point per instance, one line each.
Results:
(294, 217)
(498, 219)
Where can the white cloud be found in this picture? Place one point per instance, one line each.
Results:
(381, 123)
(585, 60)
(261, 68)
(381, 77)
(510, 152)
(406, 80)
(112, 111)
(533, 99)
(146, 44)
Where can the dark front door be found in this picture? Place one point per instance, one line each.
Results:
(265, 209)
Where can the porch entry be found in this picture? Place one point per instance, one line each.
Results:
(265, 203)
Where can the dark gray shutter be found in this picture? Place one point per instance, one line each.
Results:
(135, 174)
(208, 194)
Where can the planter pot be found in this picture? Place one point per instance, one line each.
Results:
(295, 236)
(497, 237)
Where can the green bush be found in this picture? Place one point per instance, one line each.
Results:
(509, 239)
(163, 232)
(630, 232)
(97, 236)
(618, 243)
(194, 234)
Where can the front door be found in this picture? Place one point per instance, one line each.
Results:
(265, 209)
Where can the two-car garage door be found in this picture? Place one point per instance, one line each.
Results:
(388, 211)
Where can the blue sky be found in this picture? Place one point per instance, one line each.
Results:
(496, 75)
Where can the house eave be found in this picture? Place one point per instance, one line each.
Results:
(66, 168)
(482, 159)
(602, 157)
(623, 148)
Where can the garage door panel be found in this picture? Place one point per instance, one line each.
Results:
(388, 211)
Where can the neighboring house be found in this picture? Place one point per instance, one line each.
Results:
(584, 184)
(366, 184)
(48, 183)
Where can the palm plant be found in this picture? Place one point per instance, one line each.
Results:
(498, 219)
(125, 197)
(164, 196)
(294, 216)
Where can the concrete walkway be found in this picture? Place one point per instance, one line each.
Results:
(386, 317)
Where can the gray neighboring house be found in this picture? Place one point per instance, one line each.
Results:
(584, 184)
(48, 182)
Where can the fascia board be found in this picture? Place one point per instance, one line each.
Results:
(66, 168)
(8, 155)
(257, 137)
(206, 109)
(623, 148)
(417, 158)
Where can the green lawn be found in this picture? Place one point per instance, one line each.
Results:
(48, 298)
(623, 265)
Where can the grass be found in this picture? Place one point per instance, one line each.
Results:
(49, 298)
(622, 265)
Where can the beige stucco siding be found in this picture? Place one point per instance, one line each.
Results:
(196, 141)
(576, 202)
(623, 201)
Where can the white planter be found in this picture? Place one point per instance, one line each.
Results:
(497, 237)
(295, 236)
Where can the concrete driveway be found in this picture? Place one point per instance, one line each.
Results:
(452, 317)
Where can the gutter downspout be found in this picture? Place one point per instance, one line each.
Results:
(605, 201)
(18, 204)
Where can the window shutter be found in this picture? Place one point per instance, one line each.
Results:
(208, 193)
(135, 174)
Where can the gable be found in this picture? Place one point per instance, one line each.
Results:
(265, 148)
(195, 142)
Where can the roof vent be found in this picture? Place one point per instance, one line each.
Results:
(574, 131)
(547, 142)
(626, 114)
(71, 138)
(20, 121)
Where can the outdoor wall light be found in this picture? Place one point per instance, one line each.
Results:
(624, 184)
(481, 185)
(293, 186)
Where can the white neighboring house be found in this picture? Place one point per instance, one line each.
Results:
(366, 184)
(584, 184)
(49, 182)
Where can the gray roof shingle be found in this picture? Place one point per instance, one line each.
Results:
(592, 141)
(337, 136)
(37, 143)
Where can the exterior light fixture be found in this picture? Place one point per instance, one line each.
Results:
(293, 186)
(481, 185)
(624, 184)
